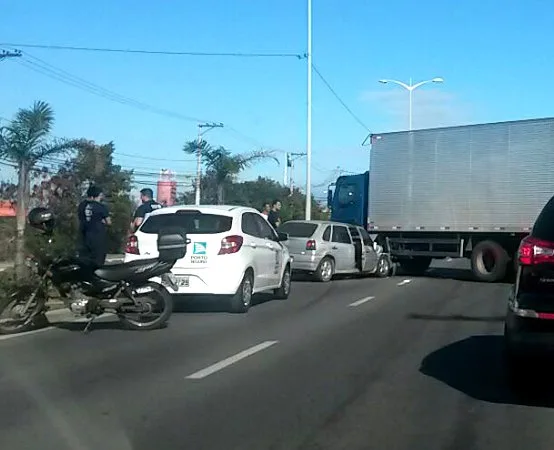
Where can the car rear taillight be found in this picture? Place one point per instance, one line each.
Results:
(230, 244)
(535, 251)
(132, 245)
(310, 245)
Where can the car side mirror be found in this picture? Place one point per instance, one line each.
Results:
(282, 237)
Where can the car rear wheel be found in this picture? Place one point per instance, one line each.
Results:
(242, 300)
(283, 292)
(383, 267)
(325, 270)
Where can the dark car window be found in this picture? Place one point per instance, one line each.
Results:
(266, 231)
(544, 225)
(354, 233)
(327, 234)
(249, 225)
(365, 237)
(192, 222)
(340, 235)
(298, 229)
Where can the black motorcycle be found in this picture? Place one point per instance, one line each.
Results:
(137, 292)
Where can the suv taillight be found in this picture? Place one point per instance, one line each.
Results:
(535, 251)
(310, 245)
(230, 244)
(132, 245)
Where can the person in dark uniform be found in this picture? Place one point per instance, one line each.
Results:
(274, 215)
(148, 205)
(94, 219)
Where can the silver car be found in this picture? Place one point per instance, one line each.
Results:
(325, 248)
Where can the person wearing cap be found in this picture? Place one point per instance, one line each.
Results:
(94, 218)
(148, 205)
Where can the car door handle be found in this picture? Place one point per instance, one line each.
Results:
(269, 245)
(253, 245)
(334, 247)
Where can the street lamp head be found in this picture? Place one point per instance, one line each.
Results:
(383, 81)
(437, 80)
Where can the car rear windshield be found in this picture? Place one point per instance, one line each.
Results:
(544, 225)
(298, 229)
(193, 223)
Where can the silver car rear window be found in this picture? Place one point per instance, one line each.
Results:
(298, 229)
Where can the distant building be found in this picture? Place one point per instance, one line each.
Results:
(167, 188)
(7, 208)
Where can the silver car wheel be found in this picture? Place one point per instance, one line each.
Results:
(326, 270)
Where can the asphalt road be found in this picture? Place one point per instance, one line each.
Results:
(398, 363)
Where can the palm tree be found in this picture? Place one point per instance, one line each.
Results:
(223, 166)
(26, 142)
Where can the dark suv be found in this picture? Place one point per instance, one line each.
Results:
(529, 325)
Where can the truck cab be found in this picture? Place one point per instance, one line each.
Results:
(349, 199)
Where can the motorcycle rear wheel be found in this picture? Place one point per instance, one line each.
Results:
(156, 306)
(13, 304)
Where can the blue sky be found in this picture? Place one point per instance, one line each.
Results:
(495, 58)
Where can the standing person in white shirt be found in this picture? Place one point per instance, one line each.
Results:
(265, 210)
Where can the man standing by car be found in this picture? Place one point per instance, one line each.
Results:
(265, 210)
(274, 216)
(94, 218)
(148, 205)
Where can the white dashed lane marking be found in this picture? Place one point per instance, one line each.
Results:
(361, 301)
(404, 282)
(230, 361)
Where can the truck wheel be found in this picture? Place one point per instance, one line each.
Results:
(489, 261)
(415, 266)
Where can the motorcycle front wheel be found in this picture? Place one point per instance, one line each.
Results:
(151, 309)
(13, 318)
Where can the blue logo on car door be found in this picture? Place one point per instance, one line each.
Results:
(199, 248)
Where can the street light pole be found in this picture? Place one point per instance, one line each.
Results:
(411, 95)
(309, 120)
(208, 126)
(410, 88)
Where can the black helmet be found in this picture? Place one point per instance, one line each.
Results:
(42, 219)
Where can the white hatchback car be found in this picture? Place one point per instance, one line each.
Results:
(232, 251)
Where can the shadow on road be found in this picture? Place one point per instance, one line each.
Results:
(211, 304)
(475, 366)
(80, 326)
(455, 318)
(450, 274)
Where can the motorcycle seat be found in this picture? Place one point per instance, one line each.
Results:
(124, 271)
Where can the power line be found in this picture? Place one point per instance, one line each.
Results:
(156, 52)
(345, 106)
(51, 71)
(61, 75)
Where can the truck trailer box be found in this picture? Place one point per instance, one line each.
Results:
(486, 177)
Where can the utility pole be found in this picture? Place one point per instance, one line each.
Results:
(287, 165)
(4, 54)
(290, 163)
(208, 126)
(309, 120)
